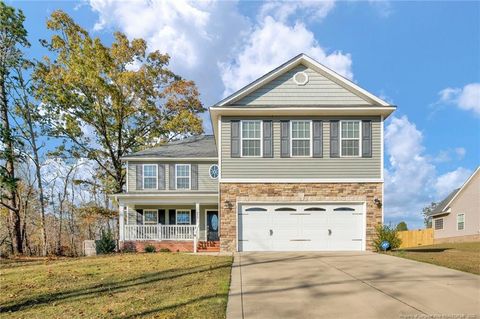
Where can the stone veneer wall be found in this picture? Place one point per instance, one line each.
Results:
(231, 193)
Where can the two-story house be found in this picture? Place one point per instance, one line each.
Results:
(295, 163)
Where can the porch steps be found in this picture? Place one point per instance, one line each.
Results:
(208, 246)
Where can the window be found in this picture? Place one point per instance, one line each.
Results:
(150, 216)
(285, 209)
(213, 171)
(350, 138)
(438, 223)
(460, 221)
(251, 138)
(149, 176)
(301, 138)
(183, 217)
(182, 175)
(255, 209)
(314, 209)
(344, 209)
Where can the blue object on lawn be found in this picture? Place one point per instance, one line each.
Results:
(385, 245)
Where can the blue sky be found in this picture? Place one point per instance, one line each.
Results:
(423, 57)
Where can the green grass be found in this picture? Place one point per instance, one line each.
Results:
(161, 285)
(460, 256)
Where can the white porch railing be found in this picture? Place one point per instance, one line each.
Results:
(160, 232)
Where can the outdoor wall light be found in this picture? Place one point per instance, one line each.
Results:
(228, 204)
(377, 202)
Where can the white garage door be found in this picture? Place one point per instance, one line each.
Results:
(313, 227)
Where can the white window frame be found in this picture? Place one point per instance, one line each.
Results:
(183, 210)
(359, 138)
(150, 211)
(254, 139)
(210, 175)
(458, 215)
(434, 223)
(189, 176)
(156, 176)
(301, 139)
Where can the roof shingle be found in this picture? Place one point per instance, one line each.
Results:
(200, 146)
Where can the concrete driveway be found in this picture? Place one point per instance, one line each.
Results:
(347, 285)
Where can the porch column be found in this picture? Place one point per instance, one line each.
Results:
(197, 222)
(121, 222)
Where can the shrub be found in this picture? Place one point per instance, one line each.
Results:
(402, 226)
(150, 249)
(165, 250)
(386, 233)
(106, 244)
(129, 247)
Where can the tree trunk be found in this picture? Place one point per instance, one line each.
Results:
(10, 168)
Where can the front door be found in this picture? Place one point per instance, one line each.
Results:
(212, 225)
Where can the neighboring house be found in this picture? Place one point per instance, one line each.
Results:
(457, 217)
(295, 163)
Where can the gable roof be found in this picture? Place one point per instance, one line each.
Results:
(439, 209)
(443, 206)
(200, 146)
(311, 63)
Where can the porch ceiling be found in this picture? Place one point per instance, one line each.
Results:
(167, 199)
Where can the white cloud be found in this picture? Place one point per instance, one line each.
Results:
(284, 10)
(196, 34)
(466, 98)
(272, 43)
(218, 47)
(411, 178)
(449, 181)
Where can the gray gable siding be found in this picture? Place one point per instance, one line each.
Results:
(205, 183)
(318, 91)
(326, 167)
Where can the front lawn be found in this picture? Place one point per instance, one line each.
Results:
(161, 285)
(460, 256)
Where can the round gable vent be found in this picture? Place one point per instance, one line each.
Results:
(300, 78)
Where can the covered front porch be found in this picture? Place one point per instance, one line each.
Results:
(179, 222)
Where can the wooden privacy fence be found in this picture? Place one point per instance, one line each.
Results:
(415, 238)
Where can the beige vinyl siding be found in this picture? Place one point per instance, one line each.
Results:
(205, 183)
(467, 202)
(297, 167)
(318, 91)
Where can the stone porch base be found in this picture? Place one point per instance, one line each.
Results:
(173, 245)
(233, 193)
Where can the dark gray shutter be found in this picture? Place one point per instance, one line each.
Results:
(366, 138)
(334, 139)
(194, 174)
(161, 216)
(161, 176)
(172, 217)
(139, 216)
(139, 176)
(235, 139)
(171, 174)
(284, 138)
(317, 139)
(267, 139)
(193, 217)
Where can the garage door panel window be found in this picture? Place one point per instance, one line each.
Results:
(350, 138)
(315, 209)
(285, 209)
(344, 209)
(251, 138)
(439, 224)
(255, 209)
(301, 138)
